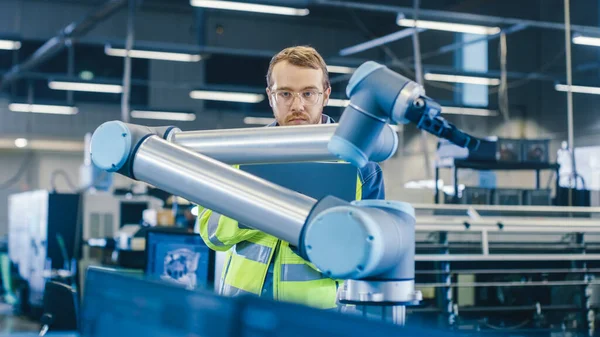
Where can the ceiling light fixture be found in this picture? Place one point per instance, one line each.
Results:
(340, 69)
(88, 87)
(258, 120)
(586, 40)
(462, 79)
(10, 45)
(163, 115)
(21, 142)
(225, 96)
(247, 7)
(43, 109)
(342, 103)
(153, 55)
(447, 26)
(453, 110)
(578, 89)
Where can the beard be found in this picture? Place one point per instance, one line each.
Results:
(300, 119)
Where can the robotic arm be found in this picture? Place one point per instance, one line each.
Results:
(369, 243)
(378, 96)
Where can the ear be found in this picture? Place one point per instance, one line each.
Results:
(326, 94)
(269, 96)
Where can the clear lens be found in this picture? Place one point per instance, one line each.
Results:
(308, 97)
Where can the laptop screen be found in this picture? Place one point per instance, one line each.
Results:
(118, 305)
(316, 180)
(179, 258)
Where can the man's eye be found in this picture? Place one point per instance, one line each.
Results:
(308, 94)
(285, 94)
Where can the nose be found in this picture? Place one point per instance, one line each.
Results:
(297, 104)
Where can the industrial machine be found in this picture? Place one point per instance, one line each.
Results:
(518, 270)
(47, 228)
(369, 243)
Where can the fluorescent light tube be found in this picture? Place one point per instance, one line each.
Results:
(89, 87)
(258, 120)
(587, 40)
(154, 55)
(227, 96)
(43, 109)
(164, 115)
(21, 142)
(246, 7)
(340, 69)
(10, 45)
(578, 89)
(452, 110)
(462, 79)
(338, 102)
(447, 26)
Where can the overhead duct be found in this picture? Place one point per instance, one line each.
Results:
(57, 43)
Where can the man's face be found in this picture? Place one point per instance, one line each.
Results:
(297, 95)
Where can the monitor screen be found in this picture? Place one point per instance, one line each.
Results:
(337, 179)
(179, 258)
(118, 305)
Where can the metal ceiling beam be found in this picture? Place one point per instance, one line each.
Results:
(458, 45)
(399, 35)
(455, 16)
(57, 43)
(494, 73)
(455, 46)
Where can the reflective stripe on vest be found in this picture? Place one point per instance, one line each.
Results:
(253, 251)
(229, 290)
(247, 267)
(299, 273)
(213, 225)
(296, 280)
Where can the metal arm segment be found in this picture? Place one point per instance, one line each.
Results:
(276, 144)
(254, 202)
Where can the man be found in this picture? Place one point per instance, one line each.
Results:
(298, 88)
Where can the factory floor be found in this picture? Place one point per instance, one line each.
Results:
(10, 323)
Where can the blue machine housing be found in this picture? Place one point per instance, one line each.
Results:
(373, 90)
(114, 144)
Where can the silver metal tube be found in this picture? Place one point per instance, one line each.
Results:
(250, 200)
(569, 65)
(275, 145)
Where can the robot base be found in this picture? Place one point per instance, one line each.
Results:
(391, 297)
(363, 292)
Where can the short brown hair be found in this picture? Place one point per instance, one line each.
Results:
(300, 56)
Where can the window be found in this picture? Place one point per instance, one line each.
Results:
(472, 58)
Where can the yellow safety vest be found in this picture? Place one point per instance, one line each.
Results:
(249, 253)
